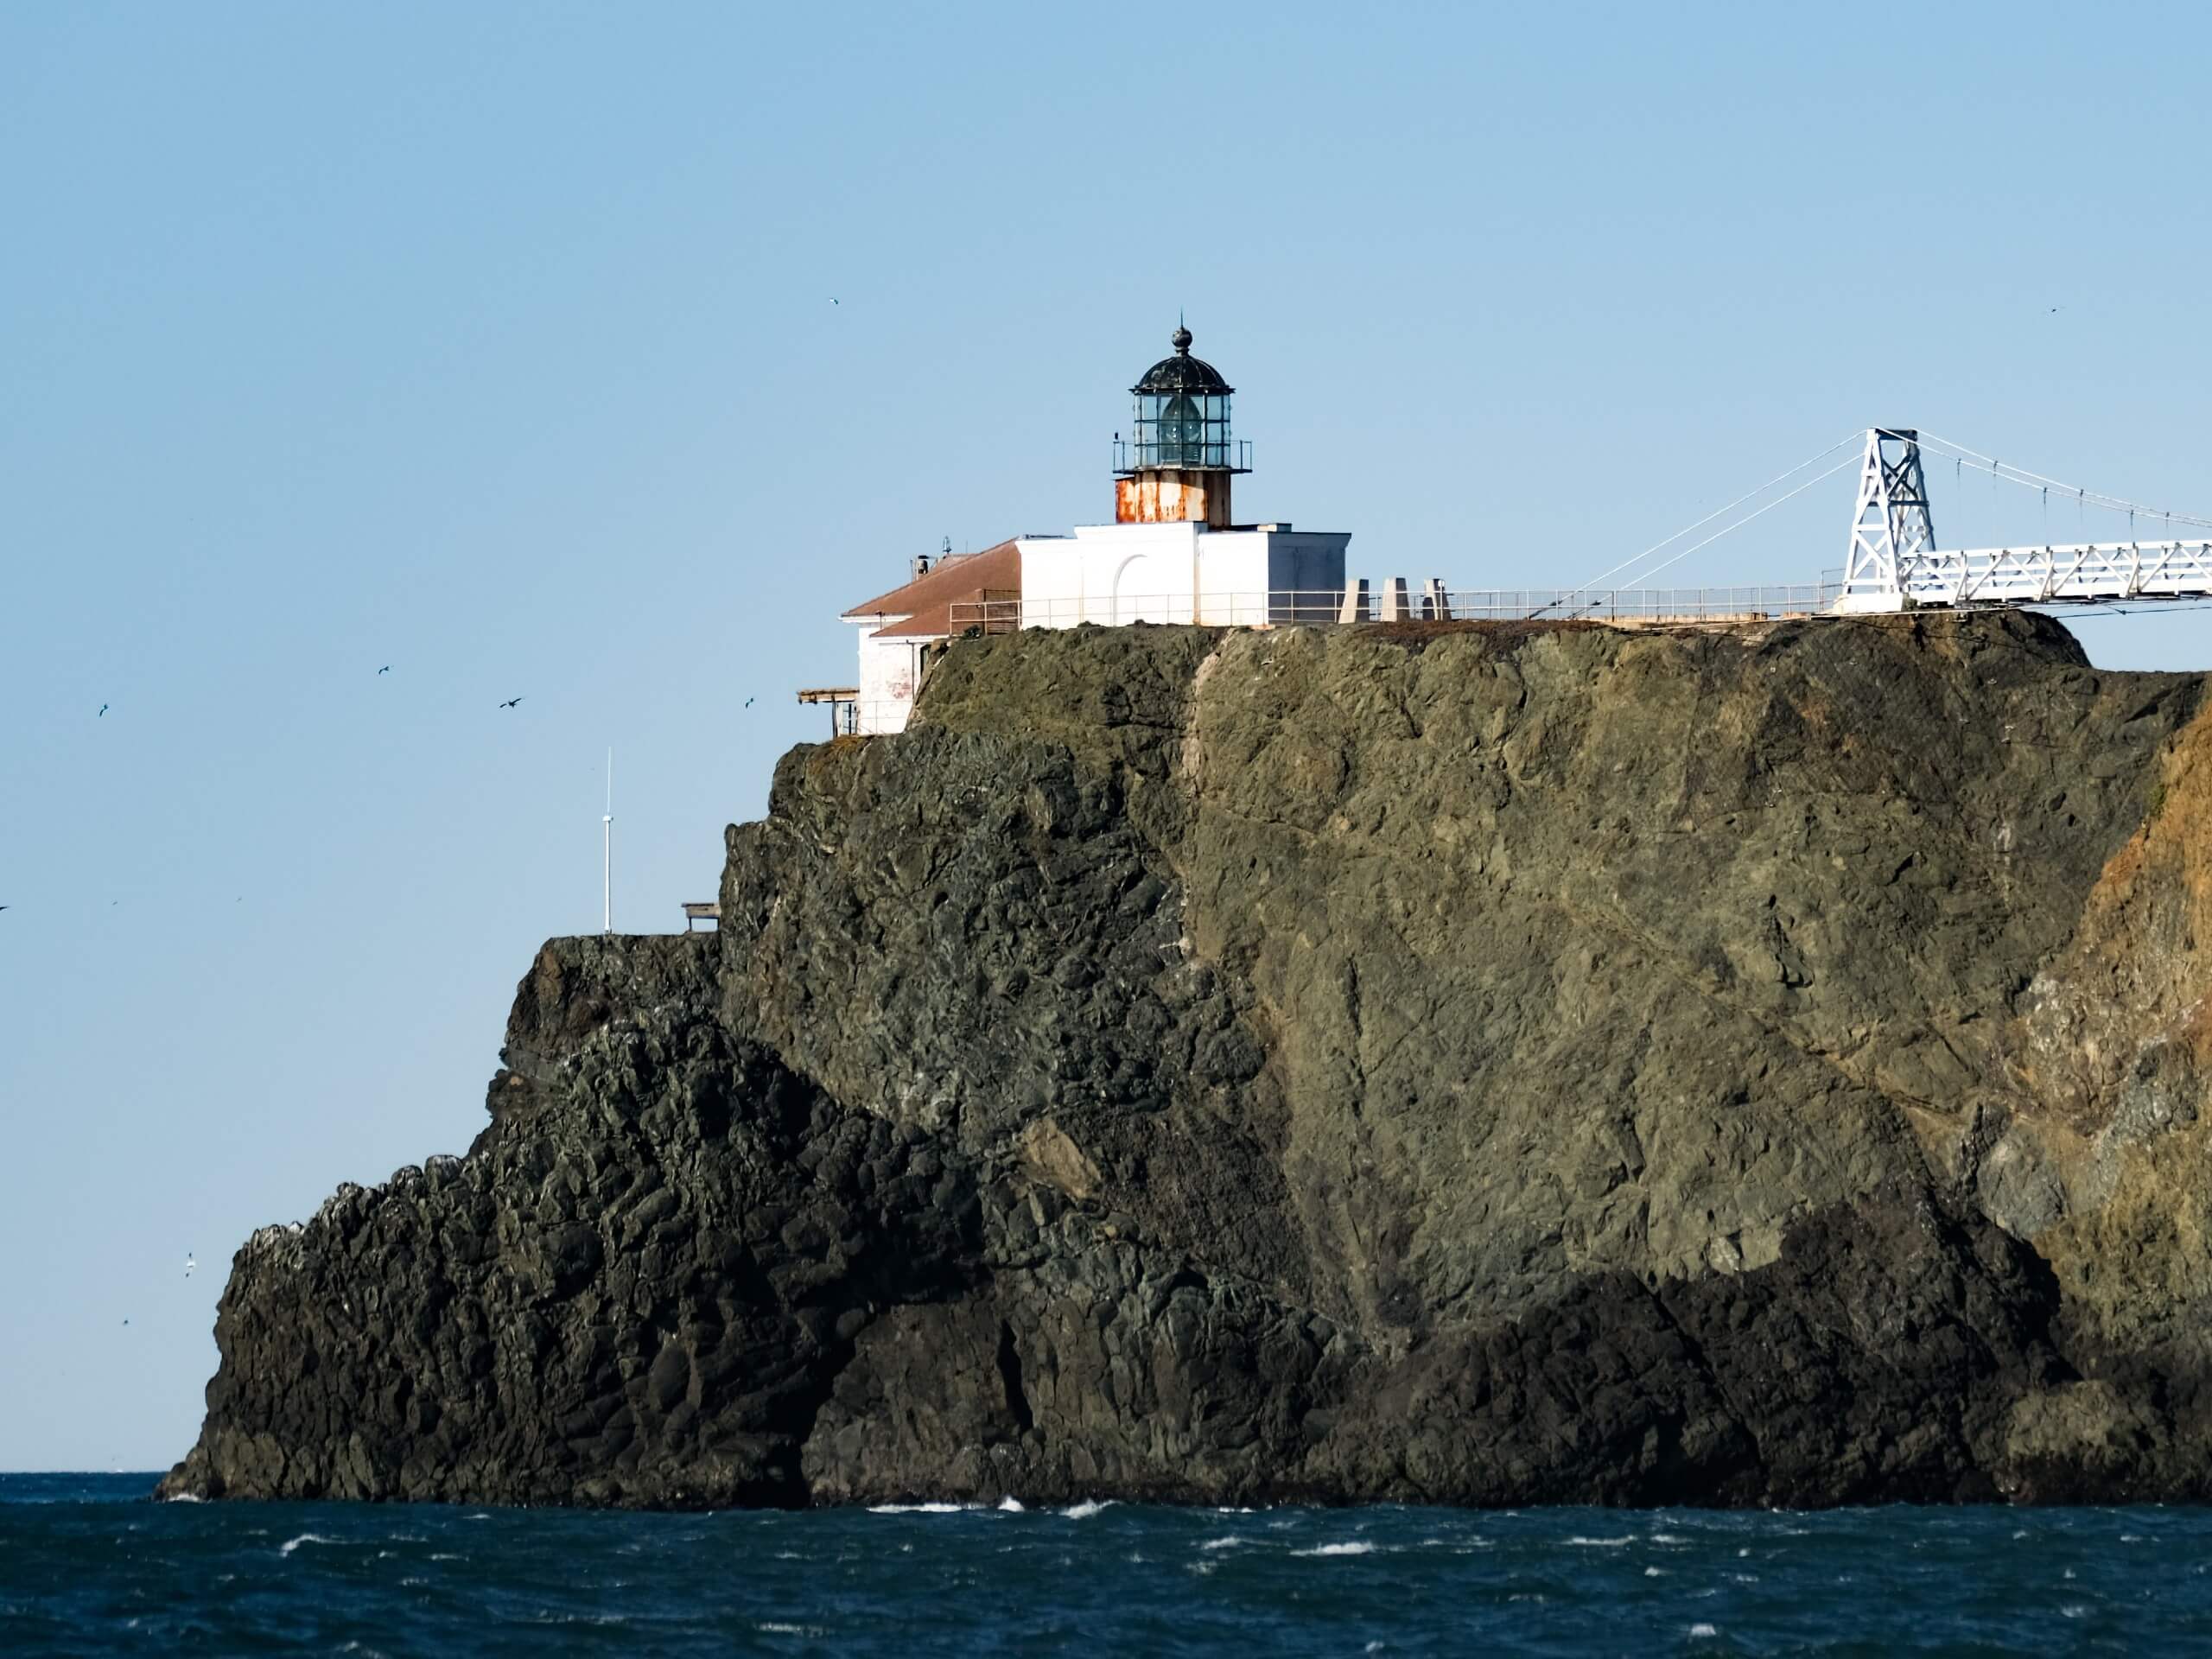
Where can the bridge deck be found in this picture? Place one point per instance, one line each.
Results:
(2080, 572)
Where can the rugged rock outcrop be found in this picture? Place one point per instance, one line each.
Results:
(1447, 1063)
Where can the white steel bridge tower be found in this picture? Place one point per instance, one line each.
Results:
(1892, 528)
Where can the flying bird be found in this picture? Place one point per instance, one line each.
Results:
(833, 299)
(386, 669)
(511, 702)
(103, 710)
(748, 702)
(189, 1264)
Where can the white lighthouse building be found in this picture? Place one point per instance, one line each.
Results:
(1174, 553)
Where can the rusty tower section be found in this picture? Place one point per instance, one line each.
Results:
(1178, 461)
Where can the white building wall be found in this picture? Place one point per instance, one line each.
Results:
(1118, 574)
(1233, 578)
(1052, 592)
(1151, 570)
(1110, 574)
(889, 672)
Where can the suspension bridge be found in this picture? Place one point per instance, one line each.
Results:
(1894, 563)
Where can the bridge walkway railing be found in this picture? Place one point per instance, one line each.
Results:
(2086, 572)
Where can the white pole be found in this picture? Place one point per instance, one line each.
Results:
(607, 852)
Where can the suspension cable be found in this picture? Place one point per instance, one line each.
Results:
(1853, 438)
(2027, 479)
(1848, 461)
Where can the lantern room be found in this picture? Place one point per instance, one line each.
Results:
(1176, 465)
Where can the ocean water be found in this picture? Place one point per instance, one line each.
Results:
(88, 1565)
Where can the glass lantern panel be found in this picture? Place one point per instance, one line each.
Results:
(1182, 431)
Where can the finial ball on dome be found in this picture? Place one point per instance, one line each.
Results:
(1180, 339)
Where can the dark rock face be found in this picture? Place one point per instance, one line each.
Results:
(1462, 1063)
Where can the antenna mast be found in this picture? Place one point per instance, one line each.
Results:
(607, 853)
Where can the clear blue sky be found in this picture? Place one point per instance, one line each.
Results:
(495, 343)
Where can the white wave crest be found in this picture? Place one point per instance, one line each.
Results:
(1703, 1629)
(1084, 1510)
(1600, 1543)
(1010, 1504)
(304, 1538)
(1230, 1542)
(1362, 1548)
(919, 1508)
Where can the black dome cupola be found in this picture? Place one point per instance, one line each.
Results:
(1182, 373)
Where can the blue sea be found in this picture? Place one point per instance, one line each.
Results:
(89, 1565)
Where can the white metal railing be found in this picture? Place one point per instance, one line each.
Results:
(873, 716)
(1394, 601)
(2087, 571)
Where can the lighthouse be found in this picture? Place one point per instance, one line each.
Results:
(1177, 463)
(1173, 554)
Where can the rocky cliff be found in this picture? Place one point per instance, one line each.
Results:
(1492, 1064)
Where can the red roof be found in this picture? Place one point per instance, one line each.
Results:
(926, 602)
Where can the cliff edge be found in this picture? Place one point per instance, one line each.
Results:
(1440, 1062)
